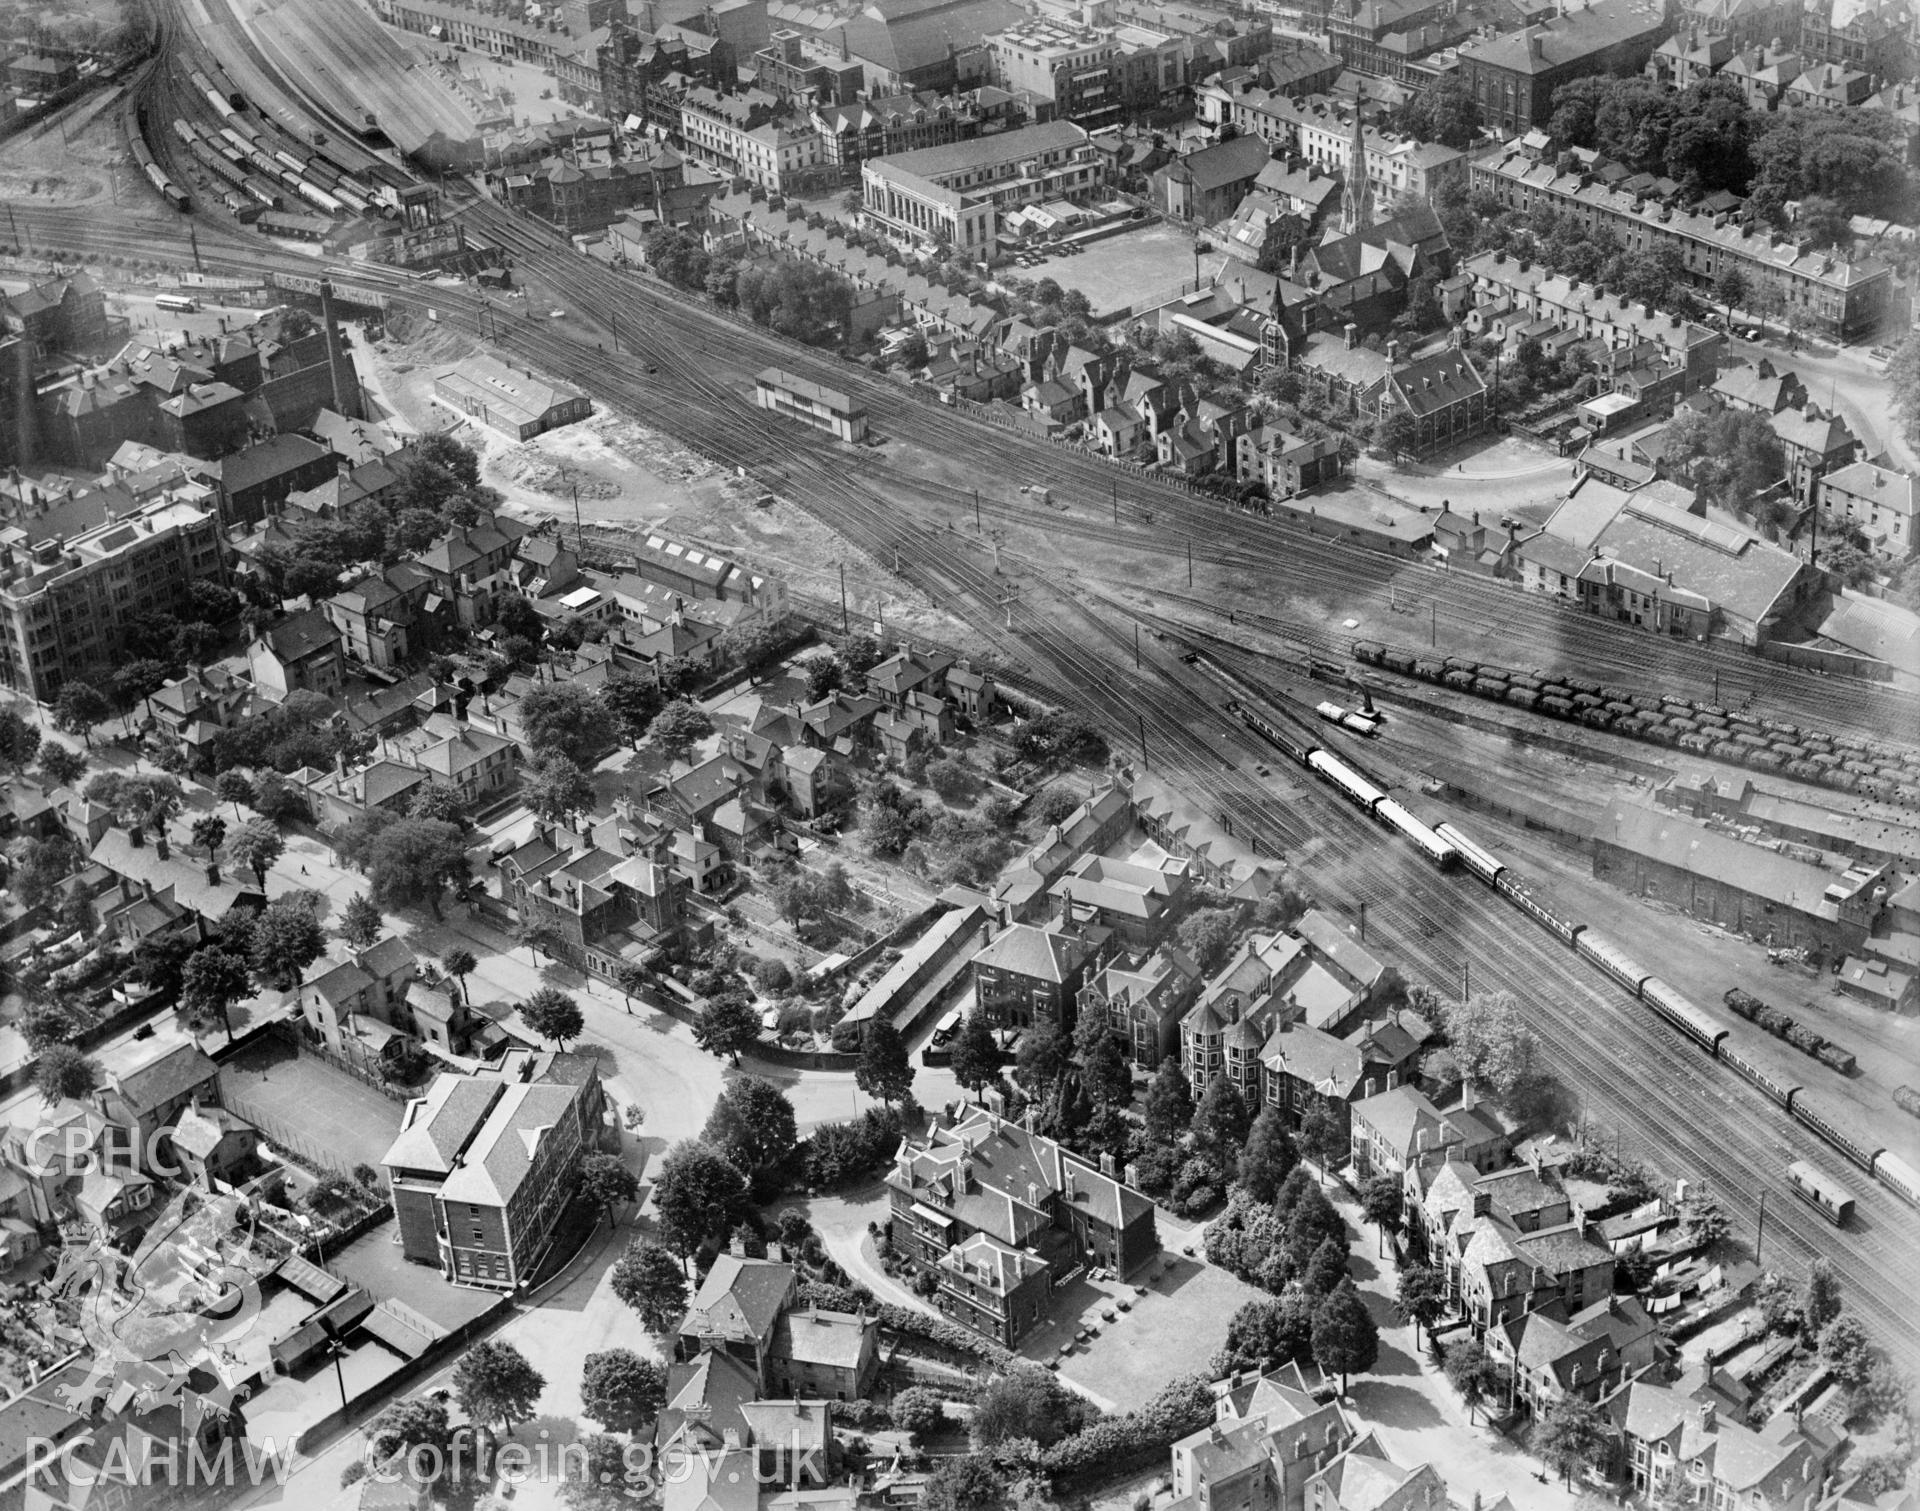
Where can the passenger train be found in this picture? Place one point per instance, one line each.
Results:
(1447, 846)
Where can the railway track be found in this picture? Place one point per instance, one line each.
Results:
(1642, 1077)
(1154, 515)
(1621, 1062)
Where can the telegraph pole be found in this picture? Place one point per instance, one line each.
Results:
(843, 599)
(1116, 501)
(1144, 762)
(1189, 561)
(976, 508)
(1136, 645)
(1761, 1231)
(579, 530)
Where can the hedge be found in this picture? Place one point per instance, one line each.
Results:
(909, 1322)
(1119, 1445)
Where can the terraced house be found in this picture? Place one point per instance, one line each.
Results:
(1000, 1215)
(1818, 290)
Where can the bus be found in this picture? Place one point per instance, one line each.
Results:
(1821, 1191)
(180, 302)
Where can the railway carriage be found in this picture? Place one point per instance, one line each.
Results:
(1898, 1177)
(1821, 1191)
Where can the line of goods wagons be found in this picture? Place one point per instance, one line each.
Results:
(1846, 763)
(1448, 847)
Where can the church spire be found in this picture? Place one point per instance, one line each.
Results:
(1356, 199)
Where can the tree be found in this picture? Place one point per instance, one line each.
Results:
(63, 1072)
(1345, 1341)
(1222, 1122)
(630, 976)
(1168, 1112)
(211, 982)
(1321, 1138)
(257, 845)
(495, 1383)
(286, 939)
(752, 1125)
(556, 789)
(967, 1483)
(1446, 113)
(1731, 289)
(540, 937)
(1043, 1056)
(76, 914)
(1705, 1221)
(727, 1025)
(977, 1057)
(417, 1422)
(19, 738)
(606, 1182)
(650, 1281)
(51, 1022)
(696, 1195)
(1382, 1201)
(918, 1410)
(1264, 1335)
(1819, 1299)
(677, 727)
(1269, 1157)
(1207, 935)
(360, 922)
(621, 1390)
(210, 833)
(1421, 1298)
(884, 1070)
(1470, 1372)
(1105, 1073)
(460, 963)
(1024, 1403)
(78, 708)
(1571, 1435)
(233, 787)
(62, 764)
(1847, 1350)
(440, 802)
(566, 717)
(552, 1014)
(408, 860)
(607, 1480)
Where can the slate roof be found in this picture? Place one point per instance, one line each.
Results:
(436, 1127)
(815, 1335)
(1567, 39)
(502, 1152)
(301, 635)
(173, 1075)
(1036, 953)
(741, 1298)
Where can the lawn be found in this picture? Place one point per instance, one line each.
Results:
(1176, 1328)
(1129, 269)
(323, 1117)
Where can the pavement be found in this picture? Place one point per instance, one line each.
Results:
(1419, 1416)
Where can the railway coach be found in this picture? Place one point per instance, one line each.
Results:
(1821, 1191)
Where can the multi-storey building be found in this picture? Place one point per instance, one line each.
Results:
(751, 135)
(1092, 76)
(484, 1165)
(1396, 1129)
(1322, 132)
(1143, 1001)
(1746, 23)
(1357, 29)
(956, 194)
(1816, 290)
(65, 604)
(1269, 1437)
(1513, 76)
(64, 315)
(1876, 36)
(1027, 975)
(811, 71)
(643, 78)
(1878, 503)
(1678, 1448)
(601, 908)
(519, 29)
(997, 1212)
(895, 124)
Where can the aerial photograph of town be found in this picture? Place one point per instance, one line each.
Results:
(984, 755)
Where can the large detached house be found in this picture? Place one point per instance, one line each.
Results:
(997, 1213)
